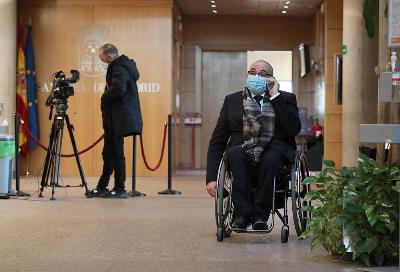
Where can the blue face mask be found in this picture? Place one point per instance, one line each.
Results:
(256, 84)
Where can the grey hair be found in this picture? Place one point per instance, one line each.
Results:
(109, 49)
(268, 67)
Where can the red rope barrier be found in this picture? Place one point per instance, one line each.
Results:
(62, 155)
(98, 140)
(162, 151)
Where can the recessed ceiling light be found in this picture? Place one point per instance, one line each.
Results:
(213, 6)
(287, 2)
(285, 7)
(212, 1)
(284, 11)
(214, 11)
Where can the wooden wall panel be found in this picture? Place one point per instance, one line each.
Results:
(55, 44)
(142, 33)
(146, 36)
(229, 33)
(333, 112)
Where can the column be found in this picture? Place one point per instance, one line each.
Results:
(353, 29)
(8, 30)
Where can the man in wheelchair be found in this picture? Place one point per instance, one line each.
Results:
(256, 130)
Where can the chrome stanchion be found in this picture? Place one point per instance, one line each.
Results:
(134, 193)
(169, 191)
(18, 192)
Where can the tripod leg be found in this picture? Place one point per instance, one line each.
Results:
(47, 165)
(57, 156)
(78, 161)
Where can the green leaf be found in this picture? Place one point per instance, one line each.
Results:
(314, 195)
(307, 208)
(379, 171)
(353, 207)
(387, 205)
(310, 180)
(327, 172)
(371, 216)
(349, 194)
(397, 187)
(329, 163)
(365, 259)
(383, 204)
(313, 242)
(360, 247)
(384, 217)
(394, 171)
(324, 180)
(362, 158)
(346, 171)
(371, 244)
(391, 226)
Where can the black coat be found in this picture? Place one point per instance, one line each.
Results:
(230, 128)
(120, 104)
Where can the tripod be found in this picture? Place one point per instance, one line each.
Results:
(52, 164)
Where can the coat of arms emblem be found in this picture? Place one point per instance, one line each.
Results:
(91, 38)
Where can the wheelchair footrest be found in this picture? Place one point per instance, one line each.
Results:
(250, 230)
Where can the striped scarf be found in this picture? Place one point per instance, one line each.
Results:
(258, 124)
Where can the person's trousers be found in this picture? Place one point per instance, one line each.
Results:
(113, 160)
(247, 175)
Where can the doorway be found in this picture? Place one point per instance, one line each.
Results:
(223, 73)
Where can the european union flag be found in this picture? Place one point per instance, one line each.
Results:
(33, 119)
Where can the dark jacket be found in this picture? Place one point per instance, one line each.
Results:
(120, 104)
(230, 128)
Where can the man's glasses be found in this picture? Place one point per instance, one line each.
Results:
(262, 73)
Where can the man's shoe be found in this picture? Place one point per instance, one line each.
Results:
(260, 223)
(116, 194)
(240, 223)
(98, 192)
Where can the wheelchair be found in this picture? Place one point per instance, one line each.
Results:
(288, 182)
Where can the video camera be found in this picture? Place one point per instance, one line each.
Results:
(61, 89)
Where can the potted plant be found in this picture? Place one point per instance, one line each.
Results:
(365, 201)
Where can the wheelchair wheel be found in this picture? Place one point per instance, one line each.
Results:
(220, 234)
(284, 234)
(223, 203)
(298, 191)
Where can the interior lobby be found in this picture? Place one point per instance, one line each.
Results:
(336, 56)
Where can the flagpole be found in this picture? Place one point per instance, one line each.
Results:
(27, 166)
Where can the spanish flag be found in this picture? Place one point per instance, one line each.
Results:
(22, 100)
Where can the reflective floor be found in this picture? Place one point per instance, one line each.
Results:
(152, 233)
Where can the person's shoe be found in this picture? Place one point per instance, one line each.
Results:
(240, 223)
(116, 194)
(98, 192)
(260, 223)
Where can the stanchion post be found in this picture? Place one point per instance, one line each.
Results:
(134, 193)
(17, 157)
(169, 191)
(16, 126)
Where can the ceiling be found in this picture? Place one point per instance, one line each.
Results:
(249, 7)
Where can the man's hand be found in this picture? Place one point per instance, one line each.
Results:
(211, 188)
(274, 89)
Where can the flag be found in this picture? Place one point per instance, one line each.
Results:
(22, 108)
(33, 120)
